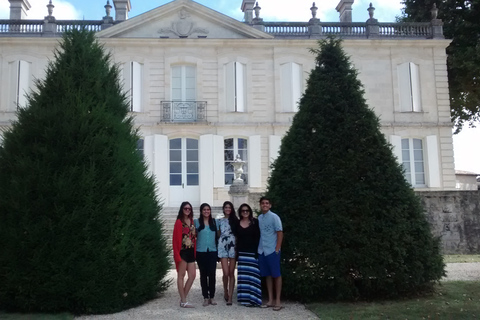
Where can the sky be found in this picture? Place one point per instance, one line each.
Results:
(467, 156)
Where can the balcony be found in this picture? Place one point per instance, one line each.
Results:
(183, 111)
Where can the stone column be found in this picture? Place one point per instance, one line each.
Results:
(18, 9)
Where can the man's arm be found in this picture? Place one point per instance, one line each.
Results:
(279, 241)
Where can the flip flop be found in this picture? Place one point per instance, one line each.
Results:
(186, 305)
(277, 308)
(266, 306)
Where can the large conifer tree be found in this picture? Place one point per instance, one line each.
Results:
(353, 227)
(80, 228)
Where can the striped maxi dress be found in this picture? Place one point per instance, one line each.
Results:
(249, 285)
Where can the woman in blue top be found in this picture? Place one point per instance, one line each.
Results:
(206, 253)
(226, 249)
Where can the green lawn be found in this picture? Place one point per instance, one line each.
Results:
(459, 258)
(452, 300)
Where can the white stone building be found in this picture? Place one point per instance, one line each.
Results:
(205, 87)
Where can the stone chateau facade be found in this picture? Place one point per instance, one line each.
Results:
(205, 87)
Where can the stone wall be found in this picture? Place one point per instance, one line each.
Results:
(455, 217)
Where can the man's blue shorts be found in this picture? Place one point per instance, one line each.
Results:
(269, 265)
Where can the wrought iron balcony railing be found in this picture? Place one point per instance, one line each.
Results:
(183, 111)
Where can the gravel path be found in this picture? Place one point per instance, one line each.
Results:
(166, 307)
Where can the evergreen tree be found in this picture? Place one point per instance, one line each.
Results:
(461, 24)
(354, 228)
(80, 228)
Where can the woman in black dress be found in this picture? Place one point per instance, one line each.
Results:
(249, 287)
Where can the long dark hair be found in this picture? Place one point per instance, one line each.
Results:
(232, 219)
(210, 219)
(180, 211)
(250, 212)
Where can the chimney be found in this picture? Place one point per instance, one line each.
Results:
(122, 8)
(344, 7)
(18, 9)
(247, 9)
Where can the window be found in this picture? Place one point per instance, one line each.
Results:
(132, 76)
(413, 161)
(235, 86)
(409, 87)
(20, 82)
(291, 86)
(232, 147)
(183, 83)
(184, 165)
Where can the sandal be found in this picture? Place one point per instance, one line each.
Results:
(277, 308)
(266, 306)
(186, 305)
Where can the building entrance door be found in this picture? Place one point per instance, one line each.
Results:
(184, 174)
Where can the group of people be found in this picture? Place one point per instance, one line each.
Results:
(254, 243)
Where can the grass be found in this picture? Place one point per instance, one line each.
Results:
(459, 258)
(452, 300)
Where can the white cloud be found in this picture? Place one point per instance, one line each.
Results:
(63, 10)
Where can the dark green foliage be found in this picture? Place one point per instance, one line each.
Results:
(353, 227)
(462, 25)
(80, 229)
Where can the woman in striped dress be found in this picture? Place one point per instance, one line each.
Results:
(249, 286)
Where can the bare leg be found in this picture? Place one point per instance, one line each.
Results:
(191, 276)
(278, 290)
(231, 278)
(269, 282)
(225, 269)
(182, 268)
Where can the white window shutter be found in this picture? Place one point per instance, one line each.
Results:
(218, 162)
(240, 85)
(415, 87)
(274, 143)
(127, 81)
(433, 162)
(160, 162)
(404, 87)
(285, 87)
(206, 168)
(148, 152)
(396, 142)
(136, 89)
(297, 84)
(230, 87)
(254, 161)
(13, 68)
